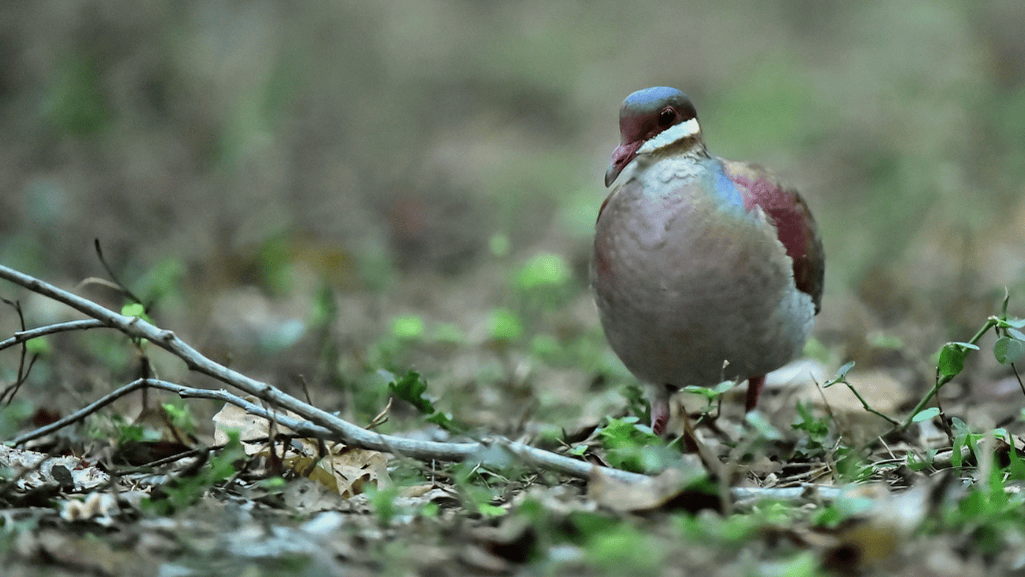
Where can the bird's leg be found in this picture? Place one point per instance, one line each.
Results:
(659, 398)
(754, 386)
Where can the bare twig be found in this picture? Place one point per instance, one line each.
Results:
(28, 335)
(824, 492)
(22, 372)
(121, 287)
(319, 423)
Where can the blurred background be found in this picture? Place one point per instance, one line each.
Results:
(316, 191)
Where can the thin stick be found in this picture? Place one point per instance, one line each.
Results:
(321, 424)
(22, 336)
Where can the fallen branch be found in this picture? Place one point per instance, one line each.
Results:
(319, 423)
(22, 336)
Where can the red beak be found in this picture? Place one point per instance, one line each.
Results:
(621, 156)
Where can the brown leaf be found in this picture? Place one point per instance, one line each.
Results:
(665, 489)
(344, 470)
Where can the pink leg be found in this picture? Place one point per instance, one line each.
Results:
(754, 386)
(659, 409)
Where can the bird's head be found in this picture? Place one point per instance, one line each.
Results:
(649, 120)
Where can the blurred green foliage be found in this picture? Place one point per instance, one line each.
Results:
(265, 116)
(628, 447)
(75, 103)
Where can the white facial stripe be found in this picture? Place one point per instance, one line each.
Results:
(671, 135)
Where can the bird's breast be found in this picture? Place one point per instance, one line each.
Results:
(685, 276)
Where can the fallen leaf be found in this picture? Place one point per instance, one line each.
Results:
(345, 470)
(651, 493)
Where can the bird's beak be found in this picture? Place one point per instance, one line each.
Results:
(621, 157)
(612, 173)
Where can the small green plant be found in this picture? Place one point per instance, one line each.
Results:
(621, 549)
(712, 395)
(504, 325)
(130, 432)
(733, 530)
(636, 401)
(543, 282)
(136, 310)
(851, 466)
(12, 416)
(990, 513)
(815, 442)
(180, 415)
(476, 481)
(408, 327)
(412, 388)
(841, 378)
(382, 501)
(545, 270)
(629, 447)
(185, 491)
(1009, 346)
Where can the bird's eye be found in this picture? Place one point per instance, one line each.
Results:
(666, 117)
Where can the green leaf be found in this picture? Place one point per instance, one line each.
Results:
(409, 327)
(545, 346)
(133, 310)
(38, 346)
(1016, 465)
(965, 345)
(915, 464)
(274, 483)
(763, 426)
(629, 447)
(180, 416)
(1007, 350)
(724, 386)
(702, 391)
(960, 427)
(445, 421)
(623, 550)
(882, 341)
(951, 361)
(545, 269)
(1016, 323)
(589, 524)
(181, 493)
(841, 375)
(505, 325)
(383, 503)
(711, 392)
(842, 372)
(411, 388)
(925, 415)
(816, 428)
(490, 511)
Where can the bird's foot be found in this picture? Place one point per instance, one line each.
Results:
(754, 386)
(660, 412)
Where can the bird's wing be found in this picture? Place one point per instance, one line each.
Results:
(795, 226)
